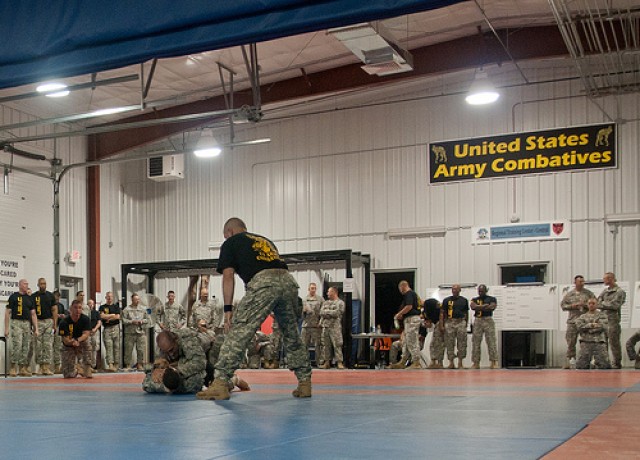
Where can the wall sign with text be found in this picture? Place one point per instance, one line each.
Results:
(536, 231)
(535, 152)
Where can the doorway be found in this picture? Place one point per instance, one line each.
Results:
(387, 296)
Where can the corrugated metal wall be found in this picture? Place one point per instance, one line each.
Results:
(342, 178)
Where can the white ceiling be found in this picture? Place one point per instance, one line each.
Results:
(195, 77)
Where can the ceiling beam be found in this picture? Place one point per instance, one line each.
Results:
(468, 52)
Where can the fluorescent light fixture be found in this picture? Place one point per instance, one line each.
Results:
(416, 232)
(462, 285)
(53, 89)
(207, 146)
(111, 111)
(482, 91)
(622, 218)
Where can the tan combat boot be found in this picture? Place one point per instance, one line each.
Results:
(303, 390)
(460, 365)
(398, 365)
(112, 368)
(451, 365)
(79, 370)
(326, 365)
(25, 371)
(415, 365)
(219, 390)
(40, 370)
(339, 365)
(494, 365)
(46, 370)
(88, 372)
(58, 369)
(242, 384)
(476, 365)
(14, 370)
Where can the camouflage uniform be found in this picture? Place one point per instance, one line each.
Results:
(190, 364)
(568, 301)
(456, 330)
(484, 325)
(610, 302)
(311, 330)
(331, 321)
(437, 344)
(276, 337)
(70, 357)
(201, 311)
(593, 340)
(270, 289)
(44, 302)
(20, 341)
(260, 348)
(134, 334)
(172, 316)
(396, 350)
(631, 348)
(411, 348)
(57, 340)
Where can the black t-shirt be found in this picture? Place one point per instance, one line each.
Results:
(486, 300)
(20, 306)
(110, 310)
(74, 330)
(456, 307)
(410, 298)
(249, 254)
(43, 302)
(95, 317)
(61, 309)
(432, 310)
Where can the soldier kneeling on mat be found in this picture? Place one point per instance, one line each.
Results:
(181, 367)
(75, 352)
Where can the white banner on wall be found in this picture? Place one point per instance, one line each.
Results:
(11, 272)
(534, 231)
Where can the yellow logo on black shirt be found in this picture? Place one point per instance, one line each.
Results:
(265, 249)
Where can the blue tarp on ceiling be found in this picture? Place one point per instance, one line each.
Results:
(61, 38)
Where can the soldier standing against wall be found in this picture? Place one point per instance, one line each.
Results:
(96, 325)
(135, 320)
(455, 316)
(171, 316)
(574, 302)
(268, 287)
(110, 316)
(592, 327)
(202, 310)
(610, 302)
(311, 330)
(483, 306)
(331, 314)
(21, 311)
(47, 314)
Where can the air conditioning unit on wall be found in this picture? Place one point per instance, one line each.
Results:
(165, 168)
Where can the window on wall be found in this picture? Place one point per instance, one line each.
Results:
(523, 273)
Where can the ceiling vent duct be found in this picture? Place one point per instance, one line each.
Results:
(374, 45)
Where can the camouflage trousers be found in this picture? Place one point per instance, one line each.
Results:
(395, 351)
(70, 356)
(254, 357)
(269, 290)
(139, 341)
(572, 339)
(411, 349)
(111, 338)
(20, 341)
(595, 350)
(487, 328)
(312, 336)
(614, 343)
(44, 342)
(190, 384)
(94, 342)
(57, 344)
(455, 332)
(332, 342)
(631, 346)
(437, 344)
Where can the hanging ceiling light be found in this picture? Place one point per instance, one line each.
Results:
(207, 146)
(53, 89)
(482, 91)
